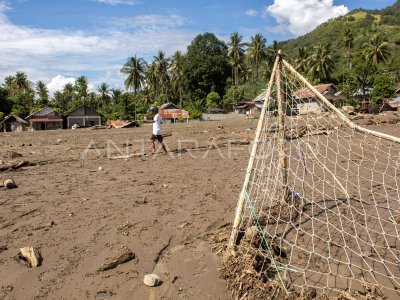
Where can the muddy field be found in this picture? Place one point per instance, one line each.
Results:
(83, 209)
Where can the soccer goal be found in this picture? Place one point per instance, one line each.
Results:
(319, 212)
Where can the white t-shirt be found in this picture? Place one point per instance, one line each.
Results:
(156, 125)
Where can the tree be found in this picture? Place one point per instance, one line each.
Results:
(302, 60)
(236, 55)
(206, 66)
(135, 69)
(256, 52)
(104, 96)
(161, 64)
(81, 90)
(42, 93)
(383, 88)
(348, 42)
(363, 76)
(377, 50)
(320, 63)
(176, 71)
(213, 100)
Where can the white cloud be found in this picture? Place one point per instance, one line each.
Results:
(57, 83)
(45, 53)
(115, 2)
(302, 16)
(251, 12)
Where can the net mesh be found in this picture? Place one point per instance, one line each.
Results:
(320, 204)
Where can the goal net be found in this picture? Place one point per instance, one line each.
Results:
(319, 213)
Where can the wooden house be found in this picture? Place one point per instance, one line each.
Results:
(170, 113)
(45, 119)
(307, 101)
(248, 108)
(83, 116)
(13, 123)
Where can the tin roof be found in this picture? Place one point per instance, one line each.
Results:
(174, 113)
(16, 118)
(305, 92)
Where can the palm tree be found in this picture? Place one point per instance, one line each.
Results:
(42, 92)
(236, 54)
(377, 50)
(348, 42)
(256, 51)
(81, 89)
(302, 60)
(320, 63)
(135, 69)
(152, 81)
(176, 71)
(104, 90)
(161, 68)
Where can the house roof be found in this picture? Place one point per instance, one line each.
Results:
(83, 110)
(305, 92)
(119, 123)
(42, 113)
(393, 102)
(16, 118)
(174, 113)
(168, 105)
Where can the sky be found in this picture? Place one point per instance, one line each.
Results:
(57, 41)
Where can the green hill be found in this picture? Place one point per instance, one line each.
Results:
(363, 24)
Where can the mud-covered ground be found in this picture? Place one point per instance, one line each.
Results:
(81, 208)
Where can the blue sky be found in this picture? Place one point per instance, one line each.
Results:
(57, 41)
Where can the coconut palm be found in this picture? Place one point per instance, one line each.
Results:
(42, 92)
(176, 71)
(302, 60)
(135, 69)
(256, 51)
(81, 89)
(377, 50)
(320, 63)
(161, 64)
(348, 42)
(236, 54)
(104, 95)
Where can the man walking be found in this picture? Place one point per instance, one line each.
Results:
(156, 133)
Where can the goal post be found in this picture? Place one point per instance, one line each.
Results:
(319, 211)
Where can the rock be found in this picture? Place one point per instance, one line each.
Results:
(59, 141)
(251, 233)
(151, 280)
(1, 162)
(9, 183)
(3, 248)
(111, 263)
(100, 168)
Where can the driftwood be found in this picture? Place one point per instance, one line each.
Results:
(29, 257)
(126, 156)
(16, 166)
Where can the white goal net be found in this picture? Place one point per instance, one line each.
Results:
(319, 213)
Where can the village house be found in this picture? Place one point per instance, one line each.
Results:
(308, 102)
(13, 123)
(83, 116)
(248, 108)
(170, 113)
(45, 119)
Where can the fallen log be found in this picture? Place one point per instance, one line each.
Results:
(122, 258)
(15, 166)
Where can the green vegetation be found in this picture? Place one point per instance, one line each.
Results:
(356, 51)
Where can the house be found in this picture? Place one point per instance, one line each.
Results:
(391, 104)
(45, 119)
(13, 123)
(248, 108)
(83, 116)
(170, 113)
(307, 101)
